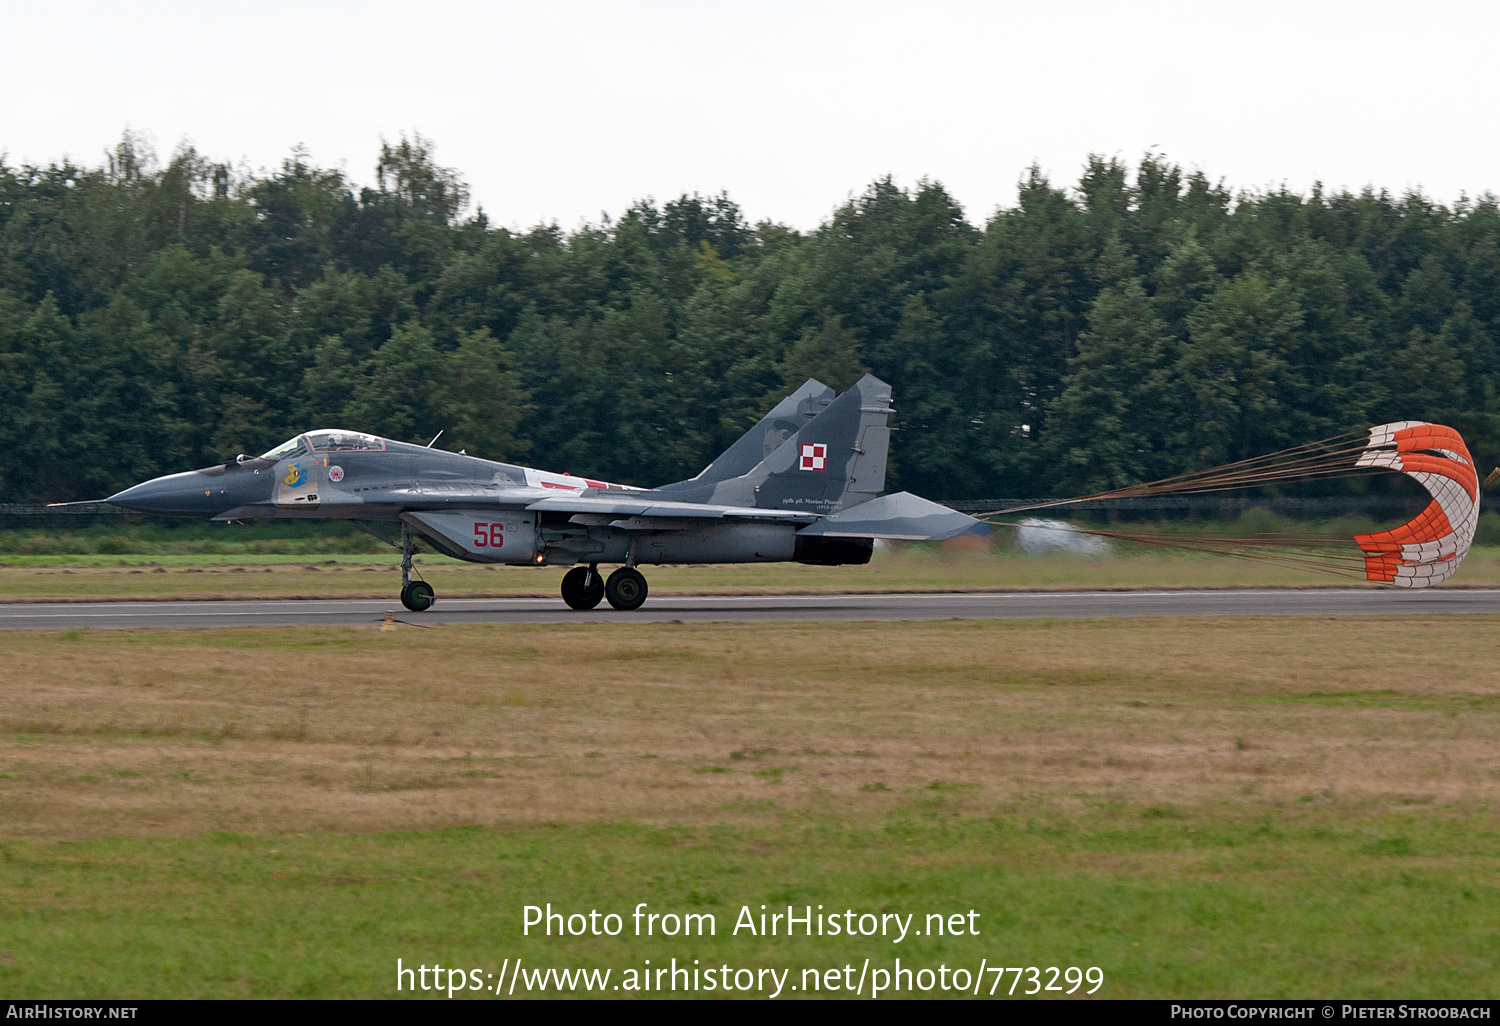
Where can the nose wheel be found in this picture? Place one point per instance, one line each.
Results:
(625, 589)
(583, 587)
(417, 596)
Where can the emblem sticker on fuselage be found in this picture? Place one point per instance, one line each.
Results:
(293, 477)
(335, 474)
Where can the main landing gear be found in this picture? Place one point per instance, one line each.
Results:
(415, 595)
(583, 587)
(625, 589)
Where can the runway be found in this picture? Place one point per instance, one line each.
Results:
(754, 608)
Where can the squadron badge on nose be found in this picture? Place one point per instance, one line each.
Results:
(335, 474)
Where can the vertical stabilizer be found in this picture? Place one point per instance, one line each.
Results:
(835, 461)
(764, 438)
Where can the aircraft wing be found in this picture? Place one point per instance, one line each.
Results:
(611, 510)
(903, 515)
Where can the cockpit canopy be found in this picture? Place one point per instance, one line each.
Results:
(291, 447)
(326, 440)
(344, 441)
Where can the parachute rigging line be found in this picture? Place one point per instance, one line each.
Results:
(1425, 551)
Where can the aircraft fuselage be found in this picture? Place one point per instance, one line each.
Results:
(804, 484)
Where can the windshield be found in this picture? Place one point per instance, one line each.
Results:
(291, 447)
(344, 441)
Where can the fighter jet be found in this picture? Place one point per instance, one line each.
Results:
(803, 485)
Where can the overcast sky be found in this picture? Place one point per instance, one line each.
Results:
(559, 111)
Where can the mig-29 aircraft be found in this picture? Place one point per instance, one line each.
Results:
(802, 485)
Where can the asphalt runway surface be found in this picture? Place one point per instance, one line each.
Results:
(761, 608)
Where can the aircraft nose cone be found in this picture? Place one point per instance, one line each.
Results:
(189, 494)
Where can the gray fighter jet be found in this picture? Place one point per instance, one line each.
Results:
(802, 485)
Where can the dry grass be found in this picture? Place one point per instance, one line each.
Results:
(356, 729)
(221, 577)
(1203, 807)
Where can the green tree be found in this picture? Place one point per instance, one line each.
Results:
(398, 396)
(329, 386)
(481, 396)
(1228, 390)
(1139, 321)
(1108, 428)
(829, 352)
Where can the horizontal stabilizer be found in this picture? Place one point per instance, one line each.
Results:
(901, 516)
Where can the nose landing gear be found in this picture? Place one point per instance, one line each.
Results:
(417, 596)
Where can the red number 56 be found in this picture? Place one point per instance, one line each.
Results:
(488, 536)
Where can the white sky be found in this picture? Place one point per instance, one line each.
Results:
(561, 110)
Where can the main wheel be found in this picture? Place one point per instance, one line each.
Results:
(417, 596)
(625, 589)
(582, 587)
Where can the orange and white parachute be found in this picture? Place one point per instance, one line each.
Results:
(1429, 549)
(1418, 554)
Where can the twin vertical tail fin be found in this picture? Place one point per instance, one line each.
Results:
(834, 461)
(813, 453)
(784, 420)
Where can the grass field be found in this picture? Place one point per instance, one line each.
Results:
(1234, 807)
(91, 578)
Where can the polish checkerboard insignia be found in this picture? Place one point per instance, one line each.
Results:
(814, 456)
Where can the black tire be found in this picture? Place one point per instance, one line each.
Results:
(625, 589)
(582, 587)
(418, 596)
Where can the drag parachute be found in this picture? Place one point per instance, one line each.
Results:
(1425, 551)
(1429, 549)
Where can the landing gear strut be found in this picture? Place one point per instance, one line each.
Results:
(582, 587)
(625, 589)
(415, 595)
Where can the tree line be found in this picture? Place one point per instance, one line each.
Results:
(1141, 322)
